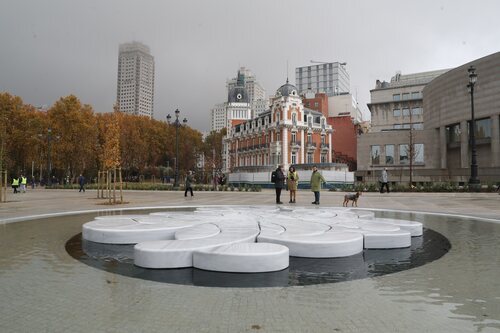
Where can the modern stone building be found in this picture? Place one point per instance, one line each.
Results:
(437, 123)
(329, 78)
(397, 129)
(344, 105)
(135, 87)
(218, 117)
(448, 115)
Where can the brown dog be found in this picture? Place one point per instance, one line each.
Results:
(351, 197)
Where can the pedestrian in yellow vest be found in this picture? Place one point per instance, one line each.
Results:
(24, 181)
(15, 184)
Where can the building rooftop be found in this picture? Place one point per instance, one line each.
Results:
(134, 46)
(400, 80)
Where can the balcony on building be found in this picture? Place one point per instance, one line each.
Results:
(311, 145)
(295, 145)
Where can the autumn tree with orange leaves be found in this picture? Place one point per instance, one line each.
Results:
(111, 147)
(84, 141)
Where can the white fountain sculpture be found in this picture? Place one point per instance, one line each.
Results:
(248, 239)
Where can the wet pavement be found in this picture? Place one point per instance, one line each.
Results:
(44, 289)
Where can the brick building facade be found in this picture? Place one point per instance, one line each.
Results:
(287, 134)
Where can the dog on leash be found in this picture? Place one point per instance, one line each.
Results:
(351, 197)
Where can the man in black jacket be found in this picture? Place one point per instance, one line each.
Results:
(279, 183)
(81, 182)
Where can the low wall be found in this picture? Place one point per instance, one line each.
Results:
(263, 178)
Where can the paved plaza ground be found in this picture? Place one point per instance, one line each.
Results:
(42, 201)
(43, 289)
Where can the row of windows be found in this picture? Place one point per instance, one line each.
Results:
(483, 130)
(416, 126)
(407, 96)
(309, 68)
(418, 111)
(266, 139)
(316, 104)
(317, 73)
(267, 120)
(405, 153)
(264, 159)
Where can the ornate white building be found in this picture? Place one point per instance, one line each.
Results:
(286, 134)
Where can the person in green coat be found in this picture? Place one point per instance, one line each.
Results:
(316, 180)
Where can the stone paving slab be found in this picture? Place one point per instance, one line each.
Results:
(41, 201)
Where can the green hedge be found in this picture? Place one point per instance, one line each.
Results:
(164, 187)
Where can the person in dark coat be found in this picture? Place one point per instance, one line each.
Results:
(81, 182)
(189, 183)
(279, 183)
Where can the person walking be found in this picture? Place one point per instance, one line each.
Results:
(292, 180)
(81, 182)
(15, 184)
(316, 180)
(189, 183)
(279, 182)
(384, 181)
(24, 181)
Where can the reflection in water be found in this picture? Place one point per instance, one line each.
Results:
(463, 285)
(460, 292)
(302, 271)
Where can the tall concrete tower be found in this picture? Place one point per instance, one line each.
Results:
(136, 72)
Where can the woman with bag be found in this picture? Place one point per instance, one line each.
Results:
(292, 181)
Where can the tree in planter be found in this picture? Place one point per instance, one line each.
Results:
(413, 152)
(111, 153)
(111, 148)
(212, 149)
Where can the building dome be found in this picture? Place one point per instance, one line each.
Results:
(238, 95)
(287, 90)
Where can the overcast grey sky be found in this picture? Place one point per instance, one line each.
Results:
(54, 48)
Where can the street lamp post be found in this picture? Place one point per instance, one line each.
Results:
(177, 124)
(49, 162)
(473, 181)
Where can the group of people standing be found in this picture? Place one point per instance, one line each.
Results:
(19, 182)
(291, 181)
